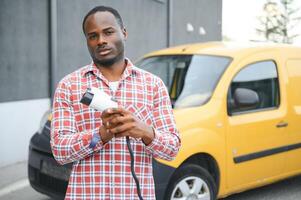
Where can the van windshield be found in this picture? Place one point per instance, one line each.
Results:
(190, 79)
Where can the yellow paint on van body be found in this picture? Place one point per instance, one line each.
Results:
(210, 130)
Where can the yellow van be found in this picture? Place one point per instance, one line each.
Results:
(238, 110)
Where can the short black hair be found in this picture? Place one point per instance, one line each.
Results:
(104, 9)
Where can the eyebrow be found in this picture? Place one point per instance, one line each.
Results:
(91, 33)
(105, 29)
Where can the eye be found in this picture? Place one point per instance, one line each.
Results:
(92, 37)
(109, 32)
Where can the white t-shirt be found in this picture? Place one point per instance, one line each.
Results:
(114, 85)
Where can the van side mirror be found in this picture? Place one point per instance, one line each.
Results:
(245, 98)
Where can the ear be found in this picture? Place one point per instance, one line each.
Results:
(125, 33)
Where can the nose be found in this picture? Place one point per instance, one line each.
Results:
(101, 40)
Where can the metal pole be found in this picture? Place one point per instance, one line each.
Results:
(53, 46)
(169, 23)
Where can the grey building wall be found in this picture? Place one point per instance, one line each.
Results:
(25, 35)
(198, 14)
(144, 20)
(24, 49)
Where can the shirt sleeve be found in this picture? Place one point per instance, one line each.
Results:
(95, 139)
(67, 144)
(166, 142)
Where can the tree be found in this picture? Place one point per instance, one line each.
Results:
(279, 20)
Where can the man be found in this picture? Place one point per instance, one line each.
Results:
(94, 141)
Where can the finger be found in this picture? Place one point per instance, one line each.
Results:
(118, 110)
(121, 134)
(109, 117)
(107, 121)
(108, 112)
(117, 120)
(121, 119)
(121, 128)
(108, 124)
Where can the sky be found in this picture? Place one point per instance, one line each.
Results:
(240, 19)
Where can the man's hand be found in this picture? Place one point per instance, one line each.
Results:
(105, 135)
(120, 122)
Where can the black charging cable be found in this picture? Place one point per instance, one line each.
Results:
(87, 99)
(132, 167)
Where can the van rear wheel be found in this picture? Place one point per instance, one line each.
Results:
(191, 182)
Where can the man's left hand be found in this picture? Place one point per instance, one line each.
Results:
(124, 123)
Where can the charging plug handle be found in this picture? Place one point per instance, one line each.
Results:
(87, 97)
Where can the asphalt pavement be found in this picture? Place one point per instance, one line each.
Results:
(14, 184)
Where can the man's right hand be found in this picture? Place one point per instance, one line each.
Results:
(106, 135)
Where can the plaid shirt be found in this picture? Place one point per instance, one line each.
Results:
(104, 172)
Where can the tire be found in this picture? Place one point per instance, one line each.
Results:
(191, 182)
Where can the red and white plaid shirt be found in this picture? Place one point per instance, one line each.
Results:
(104, 172)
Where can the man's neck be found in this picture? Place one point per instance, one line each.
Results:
(113, 72)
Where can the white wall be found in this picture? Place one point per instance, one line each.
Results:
(19, 120)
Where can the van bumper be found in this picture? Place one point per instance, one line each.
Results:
(162, 176)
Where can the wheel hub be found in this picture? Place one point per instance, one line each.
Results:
(192, 197)
(191, 188)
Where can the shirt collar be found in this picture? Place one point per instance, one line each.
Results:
(129, 70)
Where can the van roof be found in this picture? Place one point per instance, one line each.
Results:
(229, 49)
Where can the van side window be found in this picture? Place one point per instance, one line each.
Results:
(254, 88)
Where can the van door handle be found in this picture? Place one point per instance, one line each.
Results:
(282, 124)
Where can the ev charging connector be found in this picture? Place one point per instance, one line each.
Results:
(98, 99)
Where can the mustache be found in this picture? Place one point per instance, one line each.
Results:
(102, 48)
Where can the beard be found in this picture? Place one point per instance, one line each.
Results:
(108, 62)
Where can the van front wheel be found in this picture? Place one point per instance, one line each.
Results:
(191, 182)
